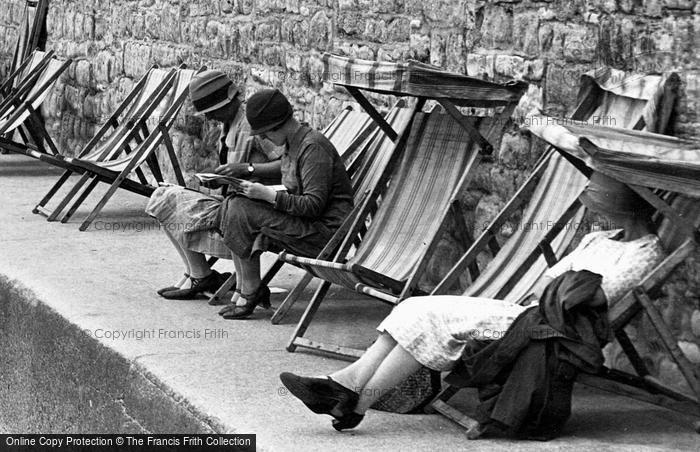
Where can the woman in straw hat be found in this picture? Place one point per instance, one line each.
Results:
(188, 217)
(434, 331)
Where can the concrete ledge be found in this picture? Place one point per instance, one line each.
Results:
(56, 378)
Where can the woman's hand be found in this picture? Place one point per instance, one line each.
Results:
(254, 190)
(233, 170)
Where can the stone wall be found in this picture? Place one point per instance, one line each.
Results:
(279, 43)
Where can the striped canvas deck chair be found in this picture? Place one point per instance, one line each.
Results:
(116, 164)
(432, 158)
(549, 222)
(29, 32)
(19, 111)
(644, 146)
(666, 172)
(120, 133)
(361, 147)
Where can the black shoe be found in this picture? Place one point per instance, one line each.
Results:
(350, 420)
(170, 288)
(321, 395)
(199, 285)
(260, 297)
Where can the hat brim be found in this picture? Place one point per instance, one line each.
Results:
(268, 127)
(593, 203)
(232, 92)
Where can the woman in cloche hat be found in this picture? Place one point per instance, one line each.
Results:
(187, 217)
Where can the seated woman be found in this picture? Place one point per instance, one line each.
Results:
(433, 331)
(187, 216)
(301, 219)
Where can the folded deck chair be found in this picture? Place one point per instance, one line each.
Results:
(29, 32)
(130, 146)
(19, 111)
(433, 157)
(362, 148)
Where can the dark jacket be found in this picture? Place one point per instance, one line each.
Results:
(318, 187)
(525, 378)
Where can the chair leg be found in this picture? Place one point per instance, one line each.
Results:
(292, 297)
(98, 208)
(308, 315)
(40, 207)
(221, 291)
(66, 199)
(86, 192)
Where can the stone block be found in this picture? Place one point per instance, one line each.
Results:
(83, 73)
(438, 55)
(510, 66)
(482, 66)
(456, 53)
(497, 27)
(268, 31)
(449, 13)
(514, 151)
(561, 84)
(525, 33)
(351, 23)
(653, 8)
(419, 42)
(321, 31)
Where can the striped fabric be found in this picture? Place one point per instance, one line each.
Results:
(561, 183)
(165, 113)
(118, 138)
(633, 157)
(417, 79)
(187, 214)
(439, 153)
(34, 97)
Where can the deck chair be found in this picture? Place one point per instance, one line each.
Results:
(114, 160)
(29, 32)
(653, 148)
(548, 224)
(433, 158)
(644, 161)
(19, 111)
(362, 148)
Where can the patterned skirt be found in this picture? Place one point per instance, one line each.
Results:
(436, 329)
(190, 217)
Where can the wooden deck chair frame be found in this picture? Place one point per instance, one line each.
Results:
(144, 153)
(29, 34)
(487, 240)
(20, 102)
(347, 235)
(132, 128)
(353, 156)
(642, 386)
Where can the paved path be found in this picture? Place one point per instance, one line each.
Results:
(104, 280)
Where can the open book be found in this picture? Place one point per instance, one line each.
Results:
(233, 182)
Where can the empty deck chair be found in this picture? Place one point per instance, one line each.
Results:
(117, 164)
(19, 111)
(29, 32)
(433, 158)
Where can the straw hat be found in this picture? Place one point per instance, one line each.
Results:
(211, 90)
